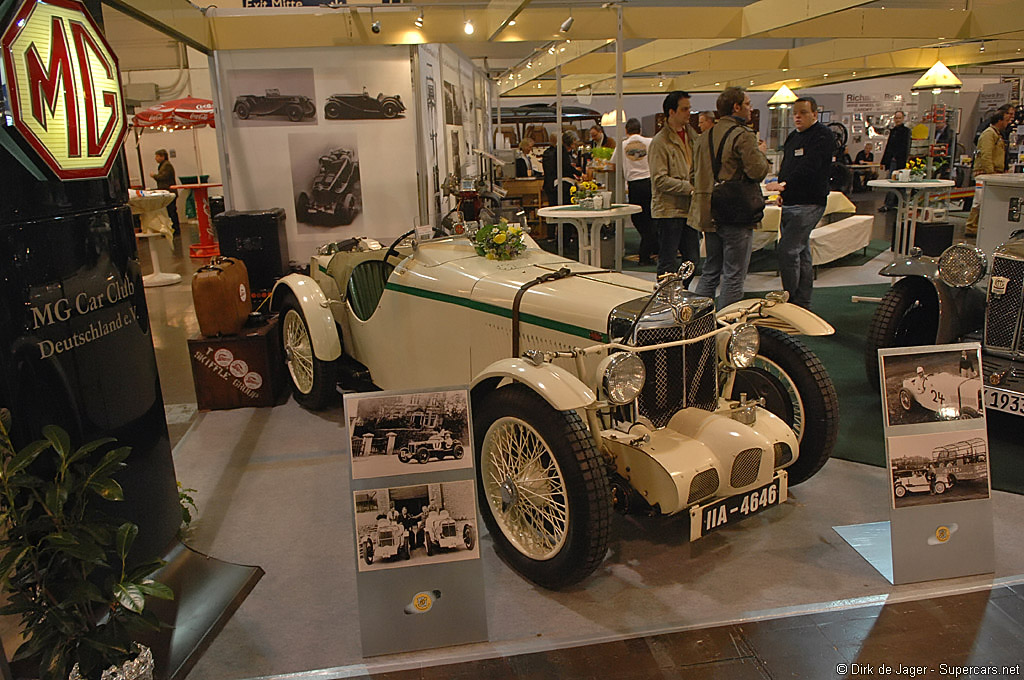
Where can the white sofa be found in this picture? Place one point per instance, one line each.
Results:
(834, 237)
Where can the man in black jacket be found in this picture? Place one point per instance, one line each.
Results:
(806, 158)
(569, 171)
(894, 157)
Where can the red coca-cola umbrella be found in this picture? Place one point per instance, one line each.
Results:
(185, 113)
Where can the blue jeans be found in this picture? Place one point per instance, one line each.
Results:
(675, 236)
(728, 256)
(794, 251)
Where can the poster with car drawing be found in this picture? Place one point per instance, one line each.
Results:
(932, 385)
(262, 97)
(409, 526)
(405, 433)
(942, 467)
(326, 182)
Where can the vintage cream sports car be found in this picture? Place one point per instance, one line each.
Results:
(441, 532)
(438, 445)
(590, 389)
(950, 396)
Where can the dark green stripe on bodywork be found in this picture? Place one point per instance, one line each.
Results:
(532, 319)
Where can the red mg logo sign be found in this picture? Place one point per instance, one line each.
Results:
(65, 89)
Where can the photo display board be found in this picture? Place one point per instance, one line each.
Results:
(416, 537)
(937, 456)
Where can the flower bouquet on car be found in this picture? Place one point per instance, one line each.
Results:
(501, 241)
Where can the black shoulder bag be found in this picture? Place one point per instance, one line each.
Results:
(735, 201)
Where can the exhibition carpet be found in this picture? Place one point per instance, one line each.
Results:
(860, 425)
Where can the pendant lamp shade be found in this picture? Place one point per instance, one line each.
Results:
(783, 95)
(938, 76)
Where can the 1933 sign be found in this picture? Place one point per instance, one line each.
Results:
(65, 87)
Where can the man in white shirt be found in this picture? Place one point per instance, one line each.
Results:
(633, 150)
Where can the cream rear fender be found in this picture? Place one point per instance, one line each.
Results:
(784, 316)
(560, 388)
(323, 332)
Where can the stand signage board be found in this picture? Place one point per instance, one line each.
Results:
(64, 88)
(937, 453)
(416, 539)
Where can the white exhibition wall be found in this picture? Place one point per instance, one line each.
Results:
(193, 152)
(269, 160)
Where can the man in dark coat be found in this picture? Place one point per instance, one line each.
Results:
(894, 157)
(165, 179)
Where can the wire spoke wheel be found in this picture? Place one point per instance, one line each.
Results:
(298, 351)
(525, 488)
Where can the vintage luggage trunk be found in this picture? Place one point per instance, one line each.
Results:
(240, 370)
(220, 292)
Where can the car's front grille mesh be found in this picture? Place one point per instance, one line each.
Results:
(745, 467)
(783, 454)
(703, 485)
(665, 392)
(1003, 313)
(448, 530)
(385, 538)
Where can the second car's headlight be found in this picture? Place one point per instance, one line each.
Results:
(622, 374)
(962, 265)
(744, 342)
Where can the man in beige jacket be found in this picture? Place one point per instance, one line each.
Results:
(990, 160)
(728, 245)
(670, 157)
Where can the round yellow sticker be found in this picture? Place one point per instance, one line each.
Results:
(423, 602)
(942, 534)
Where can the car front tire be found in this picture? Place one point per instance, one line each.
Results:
(294, 113)
(242, 110)
(908, 315)
(900, 491)
(468, 537)
(332, 110)
(302, 208)
(797, 388)
(314, 381)
(368, 553)
(907, 401)
(390, 109)
(939, 487)
(545, 493)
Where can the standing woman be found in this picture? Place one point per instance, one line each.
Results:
(524, 168)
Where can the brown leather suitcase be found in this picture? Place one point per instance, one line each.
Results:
(220, 293)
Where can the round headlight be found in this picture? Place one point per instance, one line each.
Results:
(622, 375)
(962, 265)
(744, 342)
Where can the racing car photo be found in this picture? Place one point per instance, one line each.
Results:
(336, 196)
(295, 108)
(357, 106)
(438, 445)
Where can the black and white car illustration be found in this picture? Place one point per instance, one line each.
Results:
(295, 107)
(920, 481)
(439, 444)
(387, 539)
(441, 532)
(336, 197)
(357, 106)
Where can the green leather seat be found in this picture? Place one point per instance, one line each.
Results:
(366, 285)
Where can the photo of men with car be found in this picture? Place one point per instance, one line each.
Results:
(939, 468)
(934, 385)
(396, 433)
(415, 525)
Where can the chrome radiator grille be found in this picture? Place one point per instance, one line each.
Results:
(703, 485)
(745, 467)
(1003, 312)
(678, 377)
(448, 529)
(385, 538)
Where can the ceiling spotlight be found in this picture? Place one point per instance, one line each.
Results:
(469, 28)
(551, 50)
(419, 21)
(982, 48)
(511, 22)
(566, 25)
(375, 26)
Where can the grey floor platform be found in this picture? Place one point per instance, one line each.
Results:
(274, 492)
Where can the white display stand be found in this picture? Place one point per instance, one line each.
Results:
(911, 195)
(588, 225)
(158, 277)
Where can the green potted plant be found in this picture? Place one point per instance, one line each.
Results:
(65, 566)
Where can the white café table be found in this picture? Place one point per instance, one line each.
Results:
(911, 195)
(588, 223)
(151, 207)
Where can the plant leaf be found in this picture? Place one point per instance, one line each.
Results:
(111, 460)
(25, 457)
(107, 488)
(141, 571)
(126, 534)
(59, 439)
(130, 597)
(11, 559)
(86, 449)
(156, 589)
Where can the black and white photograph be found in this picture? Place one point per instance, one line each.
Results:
(260, 97)
(325, 181)
(455, 150)
(933, 386)
(452, 105)
(409, 526)
(363, 105)
(939, 468)
(401, 434)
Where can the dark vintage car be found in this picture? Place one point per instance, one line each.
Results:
(336, 195)
(295, 106)
(351, 106)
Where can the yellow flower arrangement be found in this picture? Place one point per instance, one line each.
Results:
(918, 168)
(501, 241)
(583, 190)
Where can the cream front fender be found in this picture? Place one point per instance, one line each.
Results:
(560, 388)
(784, 316)
(316, 309)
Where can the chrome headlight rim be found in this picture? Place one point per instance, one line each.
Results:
(743, 345)
(962, 278)
(622, 377)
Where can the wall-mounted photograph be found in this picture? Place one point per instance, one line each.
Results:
(325, 180)
(362, 106)
(401, 434)
(261, 97)
(932, 386)
(452, 105)
(939, 468)
(409, 526)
